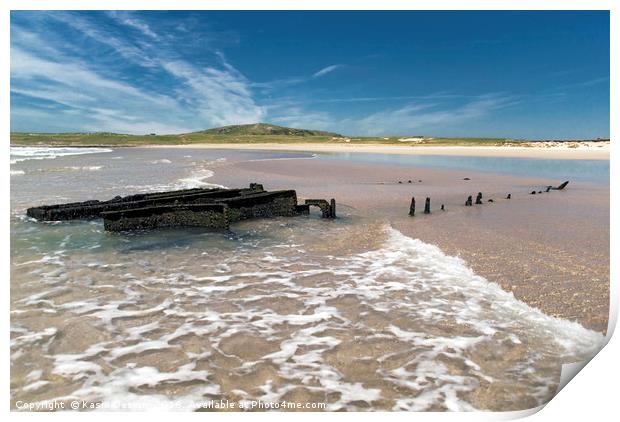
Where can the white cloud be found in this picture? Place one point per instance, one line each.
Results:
(219, 95)
(327, 70)
(430, 117)
(202, 97)
(134, 23)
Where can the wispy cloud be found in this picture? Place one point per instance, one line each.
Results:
(126, 72)
(126, 20)
(93, 96)
(587, 83)
(430, 116)
(326, 70)
(222, 96)
(278, 84)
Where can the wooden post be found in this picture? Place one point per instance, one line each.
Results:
(412, 206)
(479, 198)
(332, 204)
(468, 202)
(427, 206)
(508, 196)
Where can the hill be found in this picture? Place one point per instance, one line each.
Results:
(257, 133)
(258, 129)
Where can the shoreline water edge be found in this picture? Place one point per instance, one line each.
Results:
(464, 309)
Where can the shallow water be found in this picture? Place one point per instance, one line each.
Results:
(596, 171)
(350, 313)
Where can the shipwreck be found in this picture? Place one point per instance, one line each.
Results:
(215, 208)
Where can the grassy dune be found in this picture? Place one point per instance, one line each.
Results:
(114, 139)
(258, 133)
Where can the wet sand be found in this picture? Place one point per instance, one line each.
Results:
(349, 312)
(550, 250)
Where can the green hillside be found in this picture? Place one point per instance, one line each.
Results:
(259, 133)
(265, 129)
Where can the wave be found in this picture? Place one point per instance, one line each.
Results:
(403, 324)
(19, 154)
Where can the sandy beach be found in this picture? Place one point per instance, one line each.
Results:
(579, 151)
(550, 250)
(466, 308)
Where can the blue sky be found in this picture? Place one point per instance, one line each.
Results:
(506, 74)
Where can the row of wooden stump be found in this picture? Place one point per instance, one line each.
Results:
(469, 201)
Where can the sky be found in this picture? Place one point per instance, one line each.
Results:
(511, 74)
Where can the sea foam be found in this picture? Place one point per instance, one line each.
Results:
(401, 327)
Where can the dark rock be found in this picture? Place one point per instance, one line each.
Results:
(533, 192)
(479, 198)
(442, 207)
(490, 200)
(466, 178)
(469, 201)
(508, 196)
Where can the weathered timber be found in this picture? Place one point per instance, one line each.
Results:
(326, 207)
(479, 198)
(264, 204)
(412, 207)
(469, 201)
(214, 216)
(562, 186)
(427, 206)
(93, 208)
(211, 208)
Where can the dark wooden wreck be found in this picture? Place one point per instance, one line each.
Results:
(210, 208)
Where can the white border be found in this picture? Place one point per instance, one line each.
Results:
(591, 395)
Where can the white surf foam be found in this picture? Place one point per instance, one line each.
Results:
(42, 153)
(437, 309)
(198, 179)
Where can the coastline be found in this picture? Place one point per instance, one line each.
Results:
(512, 276)
(551, 250)
(563, 153)
(540, 248)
